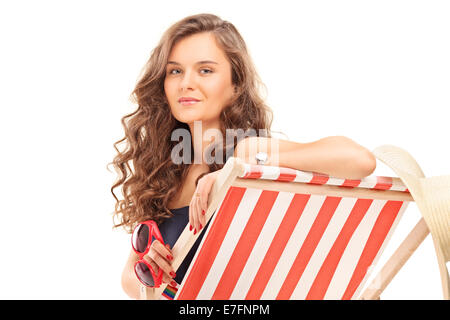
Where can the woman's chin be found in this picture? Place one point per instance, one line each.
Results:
(189, 120)
(188, 116)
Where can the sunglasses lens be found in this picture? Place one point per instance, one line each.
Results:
(144, 273)
(140, 238)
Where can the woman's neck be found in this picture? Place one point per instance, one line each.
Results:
(203, 133)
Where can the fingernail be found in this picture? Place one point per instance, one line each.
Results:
(195, 231)
(169, 257)
(168, 246)
(173, 283)
(172, 274)
(190, 227)
(200, 227)
(203, 212)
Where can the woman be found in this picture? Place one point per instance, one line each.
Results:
(201, 79)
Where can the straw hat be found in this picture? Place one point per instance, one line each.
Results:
(432, 196)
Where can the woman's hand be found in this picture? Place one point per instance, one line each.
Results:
(160, 257)
(199, 202)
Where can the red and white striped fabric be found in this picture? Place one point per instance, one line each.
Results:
(287, 174)
(282, 245)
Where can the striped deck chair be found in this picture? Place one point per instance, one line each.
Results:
(279, 233)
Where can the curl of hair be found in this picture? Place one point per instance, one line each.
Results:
(146, 172)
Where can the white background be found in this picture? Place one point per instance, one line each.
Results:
(375, 71)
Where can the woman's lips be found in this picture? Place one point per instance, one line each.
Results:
(188, 102)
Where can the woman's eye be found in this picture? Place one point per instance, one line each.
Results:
(177, 71)
(172, 71)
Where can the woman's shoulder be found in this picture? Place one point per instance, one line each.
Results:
(179, 209)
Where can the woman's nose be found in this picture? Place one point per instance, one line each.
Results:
(188, 81)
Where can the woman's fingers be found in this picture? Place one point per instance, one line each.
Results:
(166, 278)
(160, 257)
(163, 250)
(206, 189)
(209, 183)
(197, 222)
(199, 202)
(192, 213)
(198, 225)
(152, 263)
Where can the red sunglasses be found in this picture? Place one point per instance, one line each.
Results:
(141, 240)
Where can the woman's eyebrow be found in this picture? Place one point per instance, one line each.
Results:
(199, 62)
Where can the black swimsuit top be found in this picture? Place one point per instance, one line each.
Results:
(171, 230)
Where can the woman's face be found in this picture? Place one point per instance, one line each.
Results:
(198, 69)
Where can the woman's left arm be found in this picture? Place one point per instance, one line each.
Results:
(336, 156)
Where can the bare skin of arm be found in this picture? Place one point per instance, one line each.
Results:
(130, 284)
(157, 257)
(336, 156)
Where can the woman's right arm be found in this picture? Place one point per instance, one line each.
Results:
(130, 283)
(159, 257)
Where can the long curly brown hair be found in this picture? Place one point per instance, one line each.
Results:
(146, 172)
